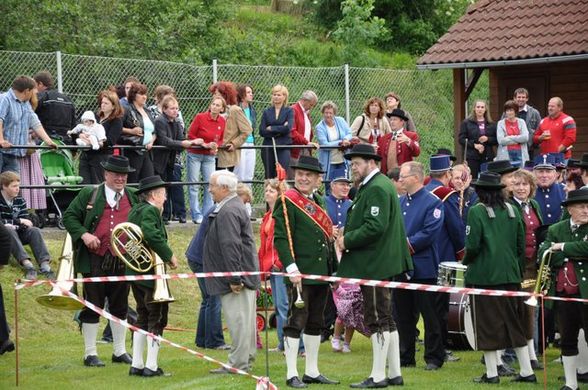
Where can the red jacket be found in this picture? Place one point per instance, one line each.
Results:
(404, 152)
(563, 132)
(298, 129)
(268, 255)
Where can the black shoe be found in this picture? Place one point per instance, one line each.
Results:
(182, 219)
(535, 365)
(166, 221)
(413, 364)
(398, 381)
(370, 384)
(124, 358)
(505, 370)
(432, 367)
(93, 361)
(583, 378)
(569, 388)
(319, 379)
(525, 379)
(30, 274)
(484, 379)
(49, 275)
(296, 383)
(220, 370)
(149, 373)
(6, 346)
(135, 371)
(450, 357)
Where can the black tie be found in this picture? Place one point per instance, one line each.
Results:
(525, 206)
(575, 227)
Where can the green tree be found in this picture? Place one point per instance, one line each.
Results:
(358, 28)
(154, 29)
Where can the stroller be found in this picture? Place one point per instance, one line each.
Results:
(58, 169)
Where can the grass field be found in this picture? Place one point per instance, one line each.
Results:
(51, 348)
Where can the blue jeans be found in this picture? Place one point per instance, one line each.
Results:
(516, 158)
(209, 331)
(280, 297)
(9, 162)
(199, 164)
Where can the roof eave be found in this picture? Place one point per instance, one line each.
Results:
(493, 64)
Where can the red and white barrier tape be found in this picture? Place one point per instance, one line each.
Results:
(363, 282)
(263, 383)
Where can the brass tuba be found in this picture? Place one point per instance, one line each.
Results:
(127, 243)
(56, 299)
(543, 282)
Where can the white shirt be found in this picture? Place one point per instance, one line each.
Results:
(110, 193)
(307, 124)
(369, 176)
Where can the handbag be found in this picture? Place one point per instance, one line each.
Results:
(566, 280)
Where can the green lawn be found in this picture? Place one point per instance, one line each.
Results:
(51, 348)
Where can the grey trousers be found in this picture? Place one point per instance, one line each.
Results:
(33, 237)
(239, 313)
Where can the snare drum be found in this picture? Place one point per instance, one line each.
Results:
(451, 273)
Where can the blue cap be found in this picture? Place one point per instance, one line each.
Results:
(439, 163)
(548, 161)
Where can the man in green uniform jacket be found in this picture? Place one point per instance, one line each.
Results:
(303, 237)
(89, 220)
(568, 240)
(375, 246)
(152, 310)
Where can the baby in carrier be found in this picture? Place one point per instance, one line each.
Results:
(89, 132)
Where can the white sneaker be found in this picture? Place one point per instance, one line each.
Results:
(336, 344)
(346, 348)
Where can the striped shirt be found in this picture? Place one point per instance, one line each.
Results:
(9, 213)
(17, 118)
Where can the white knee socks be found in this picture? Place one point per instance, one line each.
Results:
(380, 344)
(90, 331)
(139, 341)
(291, 350)
(311, 347)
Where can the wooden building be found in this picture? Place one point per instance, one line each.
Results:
(541, 45)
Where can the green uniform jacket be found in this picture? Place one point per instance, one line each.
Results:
(575, 250)
(148, 218)
(495, 247)
(79, 219)
(313, 250)
(375, 238)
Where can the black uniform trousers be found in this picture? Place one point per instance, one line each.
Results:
(152, 316)
(96, 293)
(405, 302)
(310, 318)
(571, 317)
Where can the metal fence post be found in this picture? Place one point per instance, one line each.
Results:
(214, 71)
(347, 114)
(59, 72)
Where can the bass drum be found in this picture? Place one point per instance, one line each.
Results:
(460, 326)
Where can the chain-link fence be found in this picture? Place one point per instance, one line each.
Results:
(426, 95)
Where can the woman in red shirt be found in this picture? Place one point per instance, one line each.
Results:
(207, 130)
(268, 257)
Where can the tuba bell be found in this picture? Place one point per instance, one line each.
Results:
(55, 299)
(127, 243)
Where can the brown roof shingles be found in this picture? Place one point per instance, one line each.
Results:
(498, 30)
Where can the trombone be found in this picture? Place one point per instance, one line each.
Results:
(55, 299)
(128, 245)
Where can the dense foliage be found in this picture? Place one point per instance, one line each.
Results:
(369, 33)
(411, 26)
